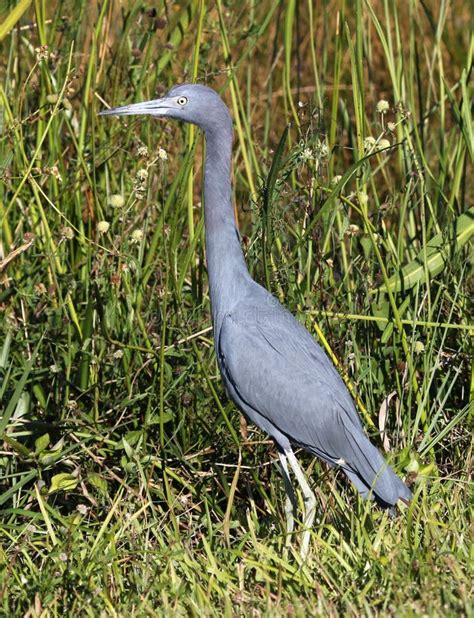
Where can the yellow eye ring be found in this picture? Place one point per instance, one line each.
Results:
(182, 100)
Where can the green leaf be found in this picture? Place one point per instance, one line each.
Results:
(181, 27)
(41, 443)
(49, 457)
(98, 482)
(128, 449)
(463, 114)
(381, 309)
(16, 446)
(156, 419)
(5, 350)
(437, 254)
(9, 23)
(387, 333)
(133, 437)
(63, 482)
(18, 392)
(14, 489)
(53, 454)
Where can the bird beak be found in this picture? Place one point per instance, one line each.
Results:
(159, 107)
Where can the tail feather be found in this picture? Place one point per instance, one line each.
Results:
(370, 473)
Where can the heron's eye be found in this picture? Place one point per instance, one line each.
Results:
(182, 100)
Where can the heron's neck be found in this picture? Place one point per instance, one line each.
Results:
(225, 261)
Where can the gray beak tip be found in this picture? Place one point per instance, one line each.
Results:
(158, 107)
(106, 112)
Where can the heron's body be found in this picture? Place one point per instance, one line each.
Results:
(277, 374)
(273, 369)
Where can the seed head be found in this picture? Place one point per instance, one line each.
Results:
(103, 227)
(369, 143)
(116, 201)
(419, 347)
(42, 53)
(67, 233)
(322, 149)
(137, 236)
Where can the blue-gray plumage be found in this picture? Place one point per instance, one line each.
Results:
(273, 369)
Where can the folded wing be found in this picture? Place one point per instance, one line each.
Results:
(275, 368)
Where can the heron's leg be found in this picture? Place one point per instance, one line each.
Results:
(290, 501)
(309, 501)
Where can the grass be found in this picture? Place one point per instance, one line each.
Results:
(129, 484)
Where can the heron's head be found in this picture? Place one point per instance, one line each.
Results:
(192, 103)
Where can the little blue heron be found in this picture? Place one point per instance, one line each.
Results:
(273, 369)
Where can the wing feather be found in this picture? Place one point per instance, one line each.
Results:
(274, 366)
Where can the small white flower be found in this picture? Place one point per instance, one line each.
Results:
(323, 149)
(137, 236)
(384, 143)
(353, 229)
(118, 354)
(307, 154)
(103, 227)
(54, 171)
(142, 151)
(336, 179)
(162, 154)
(300, 104)
(42, 53)
(369, 143)
(52, 98)
(391, 126)
(382, 106)
(419, 347)
(116, 200)
(142, 174)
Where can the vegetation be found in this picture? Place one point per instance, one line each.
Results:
(130, 485)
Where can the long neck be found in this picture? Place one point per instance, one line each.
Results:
(225, 261)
